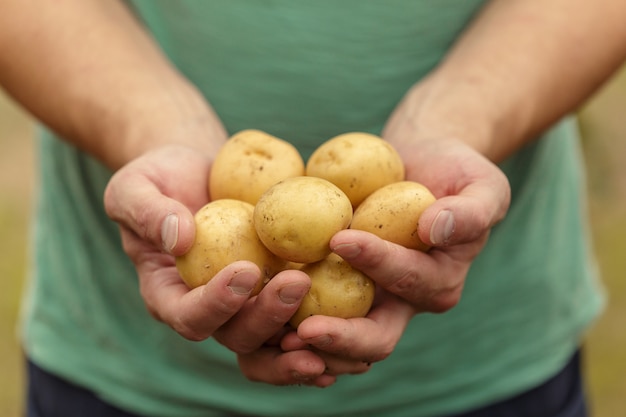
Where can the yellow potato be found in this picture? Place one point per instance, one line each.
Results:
(225, 234)
(337, 290)
(297, 217)
(393, 213)
(358, 163)
(249, 163)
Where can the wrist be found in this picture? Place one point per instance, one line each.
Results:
(459, 107)
(174, 115)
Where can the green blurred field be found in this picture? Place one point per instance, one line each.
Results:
(604, 127)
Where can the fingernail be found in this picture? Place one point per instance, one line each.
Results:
(243, 282)
(442, 227)
(169, 232)
(347, 250)
(299, 377)
(292, 293)
(320, 341)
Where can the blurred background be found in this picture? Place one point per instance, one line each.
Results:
(602, 122)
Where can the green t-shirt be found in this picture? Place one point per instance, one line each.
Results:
(307, 71)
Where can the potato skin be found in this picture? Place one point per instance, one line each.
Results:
(392, 213)
(225, 234)
(249, 163)
(296, 218)
(358, 163)
(337, 290)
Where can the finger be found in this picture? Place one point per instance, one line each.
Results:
(363, 340)
(273, 366)
(137, 204)
(196, 314)
(461, 219)
(473, 194)
(266, 314)
(339, 365)
(431, 281)
(290, 341)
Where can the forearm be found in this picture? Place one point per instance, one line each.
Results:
(521, 66)
(87, 70)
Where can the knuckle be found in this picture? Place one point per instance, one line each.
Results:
(226, 308)
(445, 301)
(380, 356)
(240, 346)
(438, 299)
(243, 345)
(248, 366)
(407, 285)
(485, 221)
(141, 220)
(481, 223)
(187, 331)
(385, 350)
(221, 308)
(248, 339)
(111, 195)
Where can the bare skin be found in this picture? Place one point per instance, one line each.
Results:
(520, 67)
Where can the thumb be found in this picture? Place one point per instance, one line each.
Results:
(137, 204)
(461, 219)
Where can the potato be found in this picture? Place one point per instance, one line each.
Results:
(392, 213)
(225, 234)
(297, 217)
(358, 163)
(249, 163)
(337, 290)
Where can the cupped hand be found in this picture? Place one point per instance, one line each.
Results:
(351, 346)
(473, 195)
(153, 199)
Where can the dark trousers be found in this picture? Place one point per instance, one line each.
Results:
(561, 396)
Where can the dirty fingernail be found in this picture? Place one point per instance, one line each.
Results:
(347, 250)
(442, 227)
(300, 377)
(320, 341)
(292, 293)
(243, 282)
(169, 232)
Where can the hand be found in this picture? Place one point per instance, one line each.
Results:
(152, 198)
(351, 346)
(473, 195)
